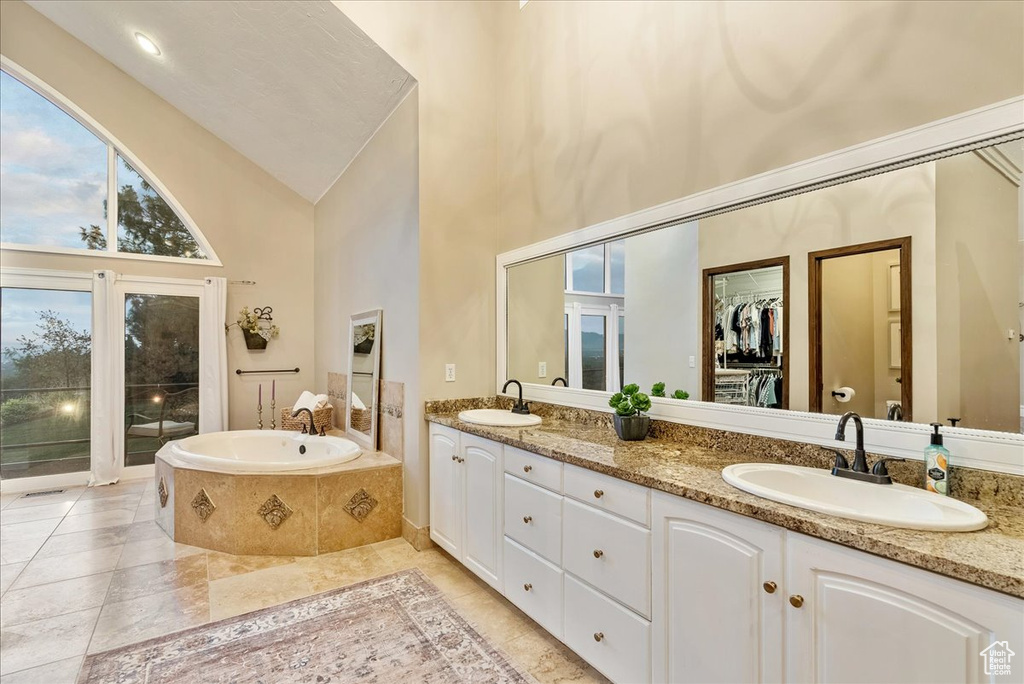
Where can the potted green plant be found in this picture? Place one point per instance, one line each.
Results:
(629, 404)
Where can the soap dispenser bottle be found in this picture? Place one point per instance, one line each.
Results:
(936, 464)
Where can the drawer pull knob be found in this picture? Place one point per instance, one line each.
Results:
(461, 459)
(598, 493)
(796, 600)
(527, 586)
(527, 519)
(597, 554)
(455, 458)
(527, 468)
(770, 587)
(598, 636)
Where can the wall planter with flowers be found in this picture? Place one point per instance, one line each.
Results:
(629, 404)
(257, 326)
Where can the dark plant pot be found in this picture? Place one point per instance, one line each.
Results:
(632, 428)
(254, 340)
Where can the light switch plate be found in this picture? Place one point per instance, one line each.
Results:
(542, 369)
(449, 372)
(693, 362)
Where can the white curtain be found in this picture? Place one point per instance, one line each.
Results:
(107, 314)
(213, 357)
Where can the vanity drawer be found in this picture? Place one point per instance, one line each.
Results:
(533, 468)
(608, 552)
(609, 494)
(533, 517)
(613, 639)
(534, 586)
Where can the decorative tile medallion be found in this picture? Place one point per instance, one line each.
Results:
(161, 490)
(202, 505)
(274, 511)
(360, 505)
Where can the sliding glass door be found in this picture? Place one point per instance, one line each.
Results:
(46, 352)
(161, 372)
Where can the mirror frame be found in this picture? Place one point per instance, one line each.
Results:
(374, 316)
(996, 123)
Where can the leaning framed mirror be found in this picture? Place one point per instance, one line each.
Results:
(363, 377)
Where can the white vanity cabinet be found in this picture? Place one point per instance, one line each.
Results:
(869, 619)
(736, 599)
(647, 586)
(718, 595)
(465, 500)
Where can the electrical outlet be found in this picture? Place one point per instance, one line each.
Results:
(693, 362)
(449, 372)
(542, 369)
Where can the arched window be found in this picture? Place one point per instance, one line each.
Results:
(67, 186)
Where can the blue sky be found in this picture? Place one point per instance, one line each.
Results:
(19, 311)
(53, 171)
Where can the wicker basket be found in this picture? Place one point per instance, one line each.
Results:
(362, 420)
(321, 419)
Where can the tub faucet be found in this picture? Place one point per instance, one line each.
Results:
(312, 428)
(520, 406)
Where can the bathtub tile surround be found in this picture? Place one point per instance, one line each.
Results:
(342, 528)
(392, 423)
(337, 394)
(687, 462)
(298, 513)
(152, 578)
(336, 633)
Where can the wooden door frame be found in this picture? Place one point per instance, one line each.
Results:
(708, 322)
(814, 260)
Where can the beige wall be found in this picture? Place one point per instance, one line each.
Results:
(976, 285)
(448, 47)
(606, 108)
(896, 204)
(848, 333)
(536, 320)
(367, 256)
(261, 230)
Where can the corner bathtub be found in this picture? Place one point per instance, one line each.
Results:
(261, 451)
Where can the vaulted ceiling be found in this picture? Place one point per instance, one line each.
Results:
(294, 86)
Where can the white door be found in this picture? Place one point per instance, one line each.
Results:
(867, 619)
(482, 539)
(445, 489)
(718, 594)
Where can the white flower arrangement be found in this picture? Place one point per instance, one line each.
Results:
(256, 322)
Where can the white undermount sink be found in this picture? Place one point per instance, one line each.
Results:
(498, 418)
(819, 490)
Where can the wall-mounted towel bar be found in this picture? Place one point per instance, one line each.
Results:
(239, 371)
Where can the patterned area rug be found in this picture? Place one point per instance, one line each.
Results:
(397, 628)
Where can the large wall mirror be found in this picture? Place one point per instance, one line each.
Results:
(897, 294)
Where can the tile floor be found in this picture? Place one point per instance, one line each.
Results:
(88, 570)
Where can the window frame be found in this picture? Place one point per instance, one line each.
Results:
(607, 263)
(114, 148)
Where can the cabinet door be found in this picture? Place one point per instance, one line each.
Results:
(483, 481)
(445, 490)
(869, 619)
(717, 617)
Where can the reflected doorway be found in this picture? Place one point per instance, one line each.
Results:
(860, 337)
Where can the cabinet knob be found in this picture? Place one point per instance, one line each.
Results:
(527, 519)
(598, 553)
(527, 468)
(598, 493)
(461, 460)
(770, 587)
(455, 458)
(598, 636)
(796, 600)
(527, 586)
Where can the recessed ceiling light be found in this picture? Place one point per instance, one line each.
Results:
(146, 44)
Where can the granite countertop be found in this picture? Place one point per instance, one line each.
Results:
(992, 558)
